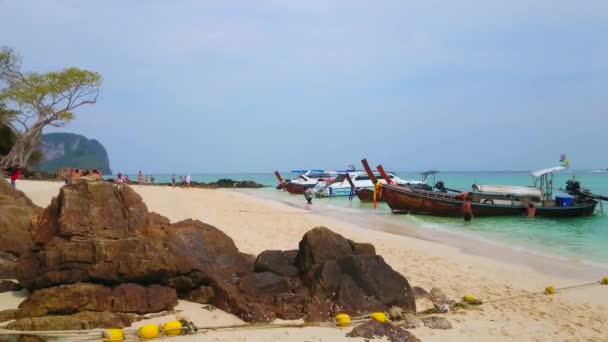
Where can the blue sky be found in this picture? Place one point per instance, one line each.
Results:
(252, 86)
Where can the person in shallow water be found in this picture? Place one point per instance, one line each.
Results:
(467, 211)
(308, 195)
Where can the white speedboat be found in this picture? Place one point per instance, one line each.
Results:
(309, 179)
(340, 186)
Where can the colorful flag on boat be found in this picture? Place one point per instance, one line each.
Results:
(564, 160)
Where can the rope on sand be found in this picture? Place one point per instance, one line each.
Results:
(183, 327)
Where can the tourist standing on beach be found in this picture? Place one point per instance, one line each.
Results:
(140, 177)
(15, 176)
(173, 180)
(308, 195)
(119, 180)
(188, 179)
(147, 180)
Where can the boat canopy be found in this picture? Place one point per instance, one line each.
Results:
(523, 191)
(543, 172)
(426, 173)
(306, 170)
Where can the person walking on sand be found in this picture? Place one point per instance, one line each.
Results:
(188, 179)
(140, 177)
(308, 195)
(147, 180)
(173, 180)
(15, 176)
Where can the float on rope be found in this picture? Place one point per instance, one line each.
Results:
(549, 290)
(342, 320)
(113, 335)
(149, 331)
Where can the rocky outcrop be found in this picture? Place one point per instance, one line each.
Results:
(279, 262)
(126, 298)
(350, 276)
(9, 285)
(68, 150)
(375, 329)
(78, 321)
(98, 249)
(18, 211)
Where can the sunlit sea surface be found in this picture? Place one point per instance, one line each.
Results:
(583, 239)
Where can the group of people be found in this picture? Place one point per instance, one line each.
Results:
(185, 181)
(146, 179)
(77, 173)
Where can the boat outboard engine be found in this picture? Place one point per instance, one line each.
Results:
(441, 186)
(573, 186)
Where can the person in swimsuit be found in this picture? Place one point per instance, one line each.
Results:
(188, 178)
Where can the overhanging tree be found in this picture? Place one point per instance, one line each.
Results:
(42, 100)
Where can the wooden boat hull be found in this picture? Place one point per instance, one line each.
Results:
(296, 188)
(404, 200)
(367, 195)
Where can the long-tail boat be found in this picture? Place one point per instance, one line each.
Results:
(494, 200)
(366, 194)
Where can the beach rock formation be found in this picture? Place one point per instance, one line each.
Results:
(18, 211)
(349, 276)
(375, 329)
(97, 249)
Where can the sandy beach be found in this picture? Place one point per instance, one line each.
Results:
(259, 224)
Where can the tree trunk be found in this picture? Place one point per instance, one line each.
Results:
(25, 145)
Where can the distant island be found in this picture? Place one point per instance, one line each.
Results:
(63, 150)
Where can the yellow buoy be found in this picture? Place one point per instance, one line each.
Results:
(605, 281)
(172, 328)
(113, 335)
(378, 316)
(342, 320)
(469, 298)
(549, 290)
(149, 331)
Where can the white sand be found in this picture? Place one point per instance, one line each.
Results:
(566, 316)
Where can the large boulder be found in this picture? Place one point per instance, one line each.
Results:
(18, 211)
(279, 262)
(69, 299)
(344, 276)
(96, 248)
(84, 320)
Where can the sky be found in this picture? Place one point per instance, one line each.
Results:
(254, 86)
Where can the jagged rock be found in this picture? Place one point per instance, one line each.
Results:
(80, 321)
(69, 299)
(97, 246)
(8, 263)
(7, 315)
(358, 281)
(279, 262)
(263, 283)
(8, 285)
(375, 329)
(201, 295)
(436, 322)
(17, 212)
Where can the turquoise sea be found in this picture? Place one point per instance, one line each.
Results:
(583, 239)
